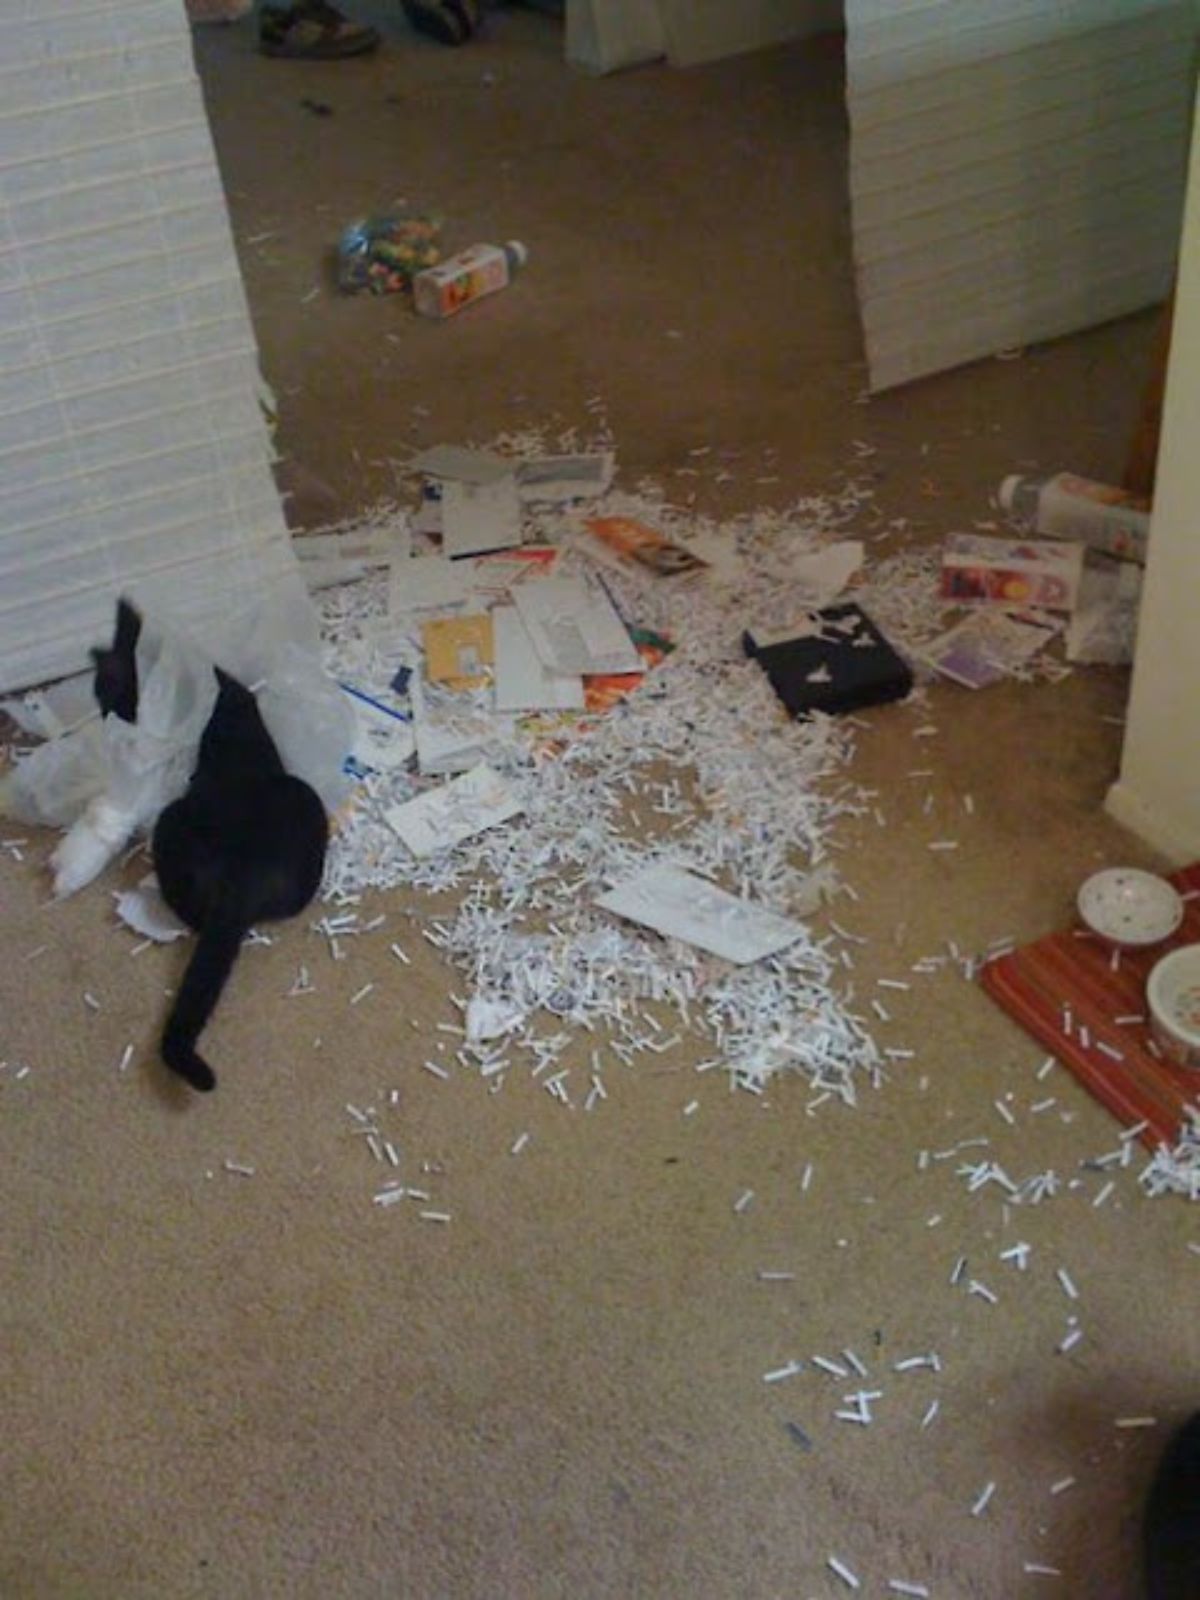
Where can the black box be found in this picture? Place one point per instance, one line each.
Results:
(844, 666)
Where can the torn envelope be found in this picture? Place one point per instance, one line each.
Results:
(575, 627)
(680, 905)
(523, 681)
(442, 818)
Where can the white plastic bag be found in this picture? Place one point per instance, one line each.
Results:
(110, 779)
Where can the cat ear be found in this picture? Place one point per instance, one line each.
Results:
(129, 626)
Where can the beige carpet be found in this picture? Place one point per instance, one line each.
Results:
(238, 1387)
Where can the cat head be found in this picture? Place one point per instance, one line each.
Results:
(116, 684)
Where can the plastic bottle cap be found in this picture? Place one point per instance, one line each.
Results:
(518, 251)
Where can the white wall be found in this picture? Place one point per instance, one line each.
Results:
(1158, 793)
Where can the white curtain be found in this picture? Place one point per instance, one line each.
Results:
(1016, 169)
(133, 450)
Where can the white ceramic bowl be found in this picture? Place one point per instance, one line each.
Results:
(1130, 907)
(1173, 995)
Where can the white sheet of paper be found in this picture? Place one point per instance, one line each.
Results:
(523, 681)
(451, 735)
(480, 516)
(575, 627)
(427, 584)
(444, 817)
(675, 902)
(455, 462)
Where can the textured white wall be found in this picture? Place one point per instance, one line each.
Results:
(1016, 169)
(1158, 794)
(133, 452)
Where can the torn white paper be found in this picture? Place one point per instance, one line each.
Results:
(145, 911)
(680, 905)
(489, 1018)
(442, 818)
(813, 581)
(452, 732)
(522, 680)
(575, 627)
(383, 738)
(1104, 625)
(480, 516)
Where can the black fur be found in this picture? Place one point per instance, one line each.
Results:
(116, 681)
(245, 844)
(1171, 1525)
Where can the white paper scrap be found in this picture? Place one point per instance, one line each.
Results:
(452, 734)
(489, 1018)
(575, 627)
(383, 738)
(680, 905)
(523, 681)
(145, 911)
(480, 516)
(442, 818)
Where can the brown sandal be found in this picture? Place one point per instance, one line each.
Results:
(313, 30)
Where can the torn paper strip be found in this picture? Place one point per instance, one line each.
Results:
(442, 818)
(682, 906)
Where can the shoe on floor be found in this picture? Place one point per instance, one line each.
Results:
(448, 21)
(313, 30)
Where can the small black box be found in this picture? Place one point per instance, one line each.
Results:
(848, 664)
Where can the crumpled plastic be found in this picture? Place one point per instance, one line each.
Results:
(108, 780)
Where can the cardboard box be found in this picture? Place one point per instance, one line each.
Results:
(977, 570)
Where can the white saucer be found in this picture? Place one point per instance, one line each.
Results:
(1127, 906)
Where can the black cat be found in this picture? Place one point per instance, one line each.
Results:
(245, 844)
(1171, 1525)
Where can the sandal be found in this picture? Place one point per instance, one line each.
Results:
(313, 30)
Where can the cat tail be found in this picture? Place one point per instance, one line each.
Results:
(207, 973)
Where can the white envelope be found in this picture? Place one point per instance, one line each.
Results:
(444, 817)
(575, 627)
(675, 902)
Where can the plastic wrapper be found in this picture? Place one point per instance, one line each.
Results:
(384, 253)
(108, 779)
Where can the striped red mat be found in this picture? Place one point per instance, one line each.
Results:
(1065, 977)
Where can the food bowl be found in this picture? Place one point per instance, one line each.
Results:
(1130, 907)
(1173, 995)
